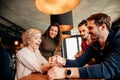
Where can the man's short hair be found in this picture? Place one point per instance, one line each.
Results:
(101, 18)
(84, 22)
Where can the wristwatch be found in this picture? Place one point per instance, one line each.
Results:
(68, 72)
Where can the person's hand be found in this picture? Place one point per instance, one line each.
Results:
(53, 59)
(57, 60)
(56, 73)
(60, 73)
(77, 55)
(46, 67)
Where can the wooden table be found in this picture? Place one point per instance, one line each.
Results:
(45, 77)
(35, 77)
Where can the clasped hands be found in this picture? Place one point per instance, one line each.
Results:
(56, 72)
(57, 60)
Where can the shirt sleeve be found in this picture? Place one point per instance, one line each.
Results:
(81, 61)
(28, 61)
(107, 69)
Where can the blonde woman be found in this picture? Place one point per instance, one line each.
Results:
(29, 58)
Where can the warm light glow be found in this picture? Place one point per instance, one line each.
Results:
(65, 36)
(56, 6)
(16, 42)
(65, 27)
(21, 45)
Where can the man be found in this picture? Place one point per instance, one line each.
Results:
(86, 39)
(105, 50)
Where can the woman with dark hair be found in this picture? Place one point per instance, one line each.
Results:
(51, 40)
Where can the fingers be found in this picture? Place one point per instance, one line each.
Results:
(56, 73)
(76, 55)
(50, 60)
(51, 73)
(53, 59)
(57, 60)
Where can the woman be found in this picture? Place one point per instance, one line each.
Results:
(29, 58)
(51, 41)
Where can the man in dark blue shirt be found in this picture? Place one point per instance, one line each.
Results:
(105, 50)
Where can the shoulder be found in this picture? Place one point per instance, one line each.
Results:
(83, 41)
(114, 33)
(114, 36)
(43, 37)
(22, 51)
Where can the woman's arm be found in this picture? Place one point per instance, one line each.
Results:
(46, 67)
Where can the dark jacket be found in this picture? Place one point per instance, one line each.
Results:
(107, 60)
(5, 70)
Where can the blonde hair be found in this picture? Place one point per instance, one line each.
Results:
(28, 34)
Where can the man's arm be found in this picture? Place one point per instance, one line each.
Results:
(61, 73)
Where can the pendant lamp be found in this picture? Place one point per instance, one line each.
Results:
(56, 6)
(65, 21)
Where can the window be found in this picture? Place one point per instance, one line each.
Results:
(71, 46)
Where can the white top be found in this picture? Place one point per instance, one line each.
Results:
(28, 62)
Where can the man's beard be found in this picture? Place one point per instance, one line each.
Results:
(85, 37)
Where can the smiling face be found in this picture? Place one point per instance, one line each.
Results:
(83, 30)
(53, 31)
(94, 30)
(35, 41)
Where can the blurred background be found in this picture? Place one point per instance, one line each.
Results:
(18, 15)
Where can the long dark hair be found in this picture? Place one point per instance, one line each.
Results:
(57, 37)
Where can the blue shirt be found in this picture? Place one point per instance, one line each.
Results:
(107, 60)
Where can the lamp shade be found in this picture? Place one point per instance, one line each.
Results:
(65, 20)
(66, 34)
(56, 6)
